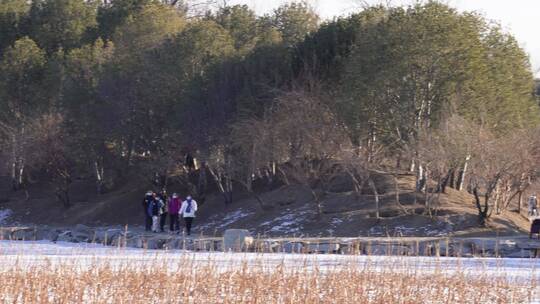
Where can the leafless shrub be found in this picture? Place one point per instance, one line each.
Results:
(51, 153)
(496, 168)
(299, 136)
(499, 167)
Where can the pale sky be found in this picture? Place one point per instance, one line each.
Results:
(520, 17)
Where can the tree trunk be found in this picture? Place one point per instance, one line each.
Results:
(229, 187)
(317, 201)
(62, 191)
(371, 141)
(520, 200)
(269, 173)
(452, 179)
(249, 182)
(357, 185)
(14, 184)
(421, 179)
(14, 162)
(100, 175)
(17, 163)
(441, 188)
(251, 169)
(202, 182)
(463, 173)
(17, 174)
(222, 185)
(284, 176)
(412, 165)
(497, 198)
(377, 206)
(427, 201)
(21, 173)
(482, 210)
(165, 183)
(129, 155)
(396, 190)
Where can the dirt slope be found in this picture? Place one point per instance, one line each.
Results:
(289, 210)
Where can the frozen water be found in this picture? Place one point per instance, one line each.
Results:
(85, 255)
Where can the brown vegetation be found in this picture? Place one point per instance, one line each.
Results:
(205, 282)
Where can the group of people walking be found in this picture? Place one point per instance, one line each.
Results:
(158, 207)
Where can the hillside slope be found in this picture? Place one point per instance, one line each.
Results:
(289, 210)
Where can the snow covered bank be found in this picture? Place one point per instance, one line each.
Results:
(89, 273)
(43, 252)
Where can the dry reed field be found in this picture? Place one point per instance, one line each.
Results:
(86, 276)
(206, 285)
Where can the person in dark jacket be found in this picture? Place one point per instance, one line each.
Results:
(162, 196)
(154, 211)
(146, 202)
(189, 162)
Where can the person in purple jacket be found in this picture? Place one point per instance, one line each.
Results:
(174, 206)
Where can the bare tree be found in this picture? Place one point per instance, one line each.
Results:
(442, 153)
(165, 161)
(52, 154)
(498, 168)
(219, 165)
(16, 142)
(302, 136)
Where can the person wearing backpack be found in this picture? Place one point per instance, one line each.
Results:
(162, 196)
(187, 211)
(174, 208)
(146, 203)
(154, 211)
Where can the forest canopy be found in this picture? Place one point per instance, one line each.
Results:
(100, 89)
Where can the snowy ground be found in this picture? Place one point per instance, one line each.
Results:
(43, 252)
(26, 258)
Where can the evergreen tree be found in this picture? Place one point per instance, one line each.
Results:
(13, 16)
(22, 74)
(62, 24)
(241, 23)
(294, 21)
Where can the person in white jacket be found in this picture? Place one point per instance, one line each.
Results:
(187, 211)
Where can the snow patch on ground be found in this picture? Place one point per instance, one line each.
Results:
(290, 222)
(336, 221)
(229, 219)
(4, 214)
(233, 217)
(428, 230)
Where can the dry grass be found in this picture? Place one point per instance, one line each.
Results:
(190, 281)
